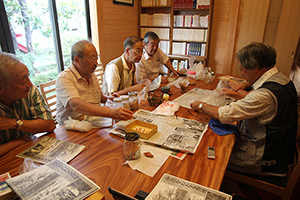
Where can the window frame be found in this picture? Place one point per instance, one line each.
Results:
(6, 41)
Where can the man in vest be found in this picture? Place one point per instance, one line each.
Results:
(119, 75)
(268, 116)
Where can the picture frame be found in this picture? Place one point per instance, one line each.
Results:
(124, 2)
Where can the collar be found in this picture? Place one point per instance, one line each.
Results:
(75, 72)
(125, 64)
(264, 77)
(146, 55)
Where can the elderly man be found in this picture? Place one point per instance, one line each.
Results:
(78, 89)
(119, 73)
(22, 108)
(268, 114)
(153, 59)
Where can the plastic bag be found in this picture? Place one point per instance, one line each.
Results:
(167, 108)
(28, 165)
(199, 69)
(83, 126)
(223, 84)
(176, 83)
(217, 98)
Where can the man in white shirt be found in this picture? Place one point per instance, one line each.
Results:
(78, 89)
(152, 60)
(267, 142)
(119, 75)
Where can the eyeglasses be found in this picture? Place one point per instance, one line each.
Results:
(138, 52)
(92, 59)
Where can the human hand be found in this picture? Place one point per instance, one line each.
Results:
(238, 86)
(138, 87)
(228, 92)
(195, 105)
(164, 79)
(121, 113)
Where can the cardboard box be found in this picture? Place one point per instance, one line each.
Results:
(144, 129)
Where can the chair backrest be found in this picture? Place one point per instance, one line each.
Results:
(284, 192)
(99, 73)
(49, 93)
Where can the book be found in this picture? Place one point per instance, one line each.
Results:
(172, 187)
(55, 180)
(48, 149)
(5, 192)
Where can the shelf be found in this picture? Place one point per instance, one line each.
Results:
(184, 27)
(189, 41)
(185, 57)
(155, 26)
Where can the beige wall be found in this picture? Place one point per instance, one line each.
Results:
(111, 26)
(236, 23)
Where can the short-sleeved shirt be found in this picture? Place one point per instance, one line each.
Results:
(29, 108)
(70, 84)
(151, 66)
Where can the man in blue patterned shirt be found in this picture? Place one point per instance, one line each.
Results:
(22, 108)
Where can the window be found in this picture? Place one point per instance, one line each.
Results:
(41, 33)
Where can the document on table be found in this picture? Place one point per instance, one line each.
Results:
(147, 165)
(174, 133)
(48, 149)
(172, 187)
(55, 180)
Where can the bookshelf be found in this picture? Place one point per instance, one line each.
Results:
(183, 26)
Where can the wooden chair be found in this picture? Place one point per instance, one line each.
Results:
(99, 73)
(284, 192)
(49, 93)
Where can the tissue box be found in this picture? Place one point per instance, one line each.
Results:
(144, 129)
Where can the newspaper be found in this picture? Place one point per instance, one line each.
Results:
(171, 187)
(55, 180)
(48, 149)
(173, 132)
(212, 97)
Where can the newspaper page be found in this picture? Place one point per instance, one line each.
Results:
(198, 94)
(171, 187)
(173, 132)
(48, 149)
(55, 180)
(213, 97)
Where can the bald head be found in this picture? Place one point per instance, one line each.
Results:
(8, 63)
(79, 47)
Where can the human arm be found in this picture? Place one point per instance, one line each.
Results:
(211, 111)
(8, 146)
(30, 126)
(90, 109)
(137, 87)
(170, 67)
(240, 94)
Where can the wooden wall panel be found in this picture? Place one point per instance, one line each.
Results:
(252, 27)
(219, 31)
(115, 23)
(287, 35)
(272, 22)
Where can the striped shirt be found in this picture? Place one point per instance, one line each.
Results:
(70, 84)
(260, 104)
(29, 108)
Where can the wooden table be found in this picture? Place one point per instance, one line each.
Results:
(102, 160)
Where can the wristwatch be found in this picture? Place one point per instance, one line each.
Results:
(19, 124)
(200, 106)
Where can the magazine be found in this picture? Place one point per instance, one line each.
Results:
(55, 180)
(171, 187)
(173, 132)
(48, 149)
